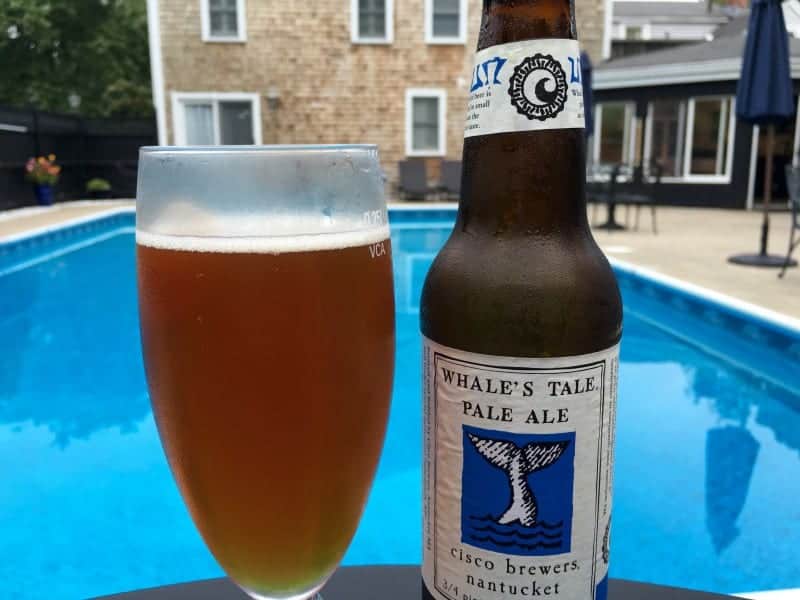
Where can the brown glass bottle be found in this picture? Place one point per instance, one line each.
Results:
(521, 275)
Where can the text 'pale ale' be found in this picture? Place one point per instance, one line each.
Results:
(269, 362)
(521, 318)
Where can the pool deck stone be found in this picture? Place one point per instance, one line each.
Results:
(692, 244)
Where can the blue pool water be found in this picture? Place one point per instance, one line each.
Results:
(707, 461)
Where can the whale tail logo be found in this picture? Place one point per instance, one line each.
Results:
(517, 463)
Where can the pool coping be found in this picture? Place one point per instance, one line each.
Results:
(764, 315)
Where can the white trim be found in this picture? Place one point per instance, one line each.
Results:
(214, 98)
(765, 314)
(388, 26)
(721, 131)
(789, 594)
(647, 151)
(688, 144)
(241, 24)
(439, 94)
(461, 38)
(631, 132)
(66, 223)
(608, 26)
(751, 177)
(157, 70)
(13, 128)
(727, 69)
(731, 137)
(598, 130)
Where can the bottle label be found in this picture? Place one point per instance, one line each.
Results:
(517, 474)
(525, 86)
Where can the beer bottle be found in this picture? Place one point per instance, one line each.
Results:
(521, 320)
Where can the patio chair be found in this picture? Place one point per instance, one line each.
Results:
(793, 185)
(450, 185)
(413, 180)
(602, 188)
(638, 200)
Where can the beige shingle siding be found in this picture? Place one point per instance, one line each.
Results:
(332, 90)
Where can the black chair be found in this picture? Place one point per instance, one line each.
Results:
(602, 188)
(793, 185)
(413, 180)
(638, 200)
(450, 184)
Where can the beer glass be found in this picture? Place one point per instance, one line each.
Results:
(267, 323)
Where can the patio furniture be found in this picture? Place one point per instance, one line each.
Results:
(638, 200)
(604, 191)
(764, 97)
(793, 185)
(450, 184)
(413, 180)
(387, 583)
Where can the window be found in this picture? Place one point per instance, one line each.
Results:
(445, 21)
(666, 136)
(208, 119)
(371, 21)
(633, 32)
(711, 121)
(614, 130)
(425, 122)
(691, 139)
(223, 20)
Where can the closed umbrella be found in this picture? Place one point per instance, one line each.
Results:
(588, 97)
(764, 97)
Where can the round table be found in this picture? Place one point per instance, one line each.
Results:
(384, 583)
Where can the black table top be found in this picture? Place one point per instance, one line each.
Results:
(384, 583)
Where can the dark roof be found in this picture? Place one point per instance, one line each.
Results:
(692, 12)
(721, 48)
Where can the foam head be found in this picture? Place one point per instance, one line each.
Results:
(277, 198)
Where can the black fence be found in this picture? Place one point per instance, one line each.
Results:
(85, 149)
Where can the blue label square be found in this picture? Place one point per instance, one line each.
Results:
(516, 491)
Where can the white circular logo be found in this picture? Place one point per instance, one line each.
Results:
(538, 87)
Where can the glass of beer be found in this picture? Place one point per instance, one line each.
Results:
(267, 322)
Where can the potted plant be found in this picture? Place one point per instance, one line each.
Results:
(43, 172)
(98, 188)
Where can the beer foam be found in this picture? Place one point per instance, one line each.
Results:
(267, 244)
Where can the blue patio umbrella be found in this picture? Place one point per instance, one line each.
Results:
(764, 97)
(588, 97)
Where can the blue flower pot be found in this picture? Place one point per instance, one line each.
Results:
(44, 194)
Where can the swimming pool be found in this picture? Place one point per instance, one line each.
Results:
(708, 444)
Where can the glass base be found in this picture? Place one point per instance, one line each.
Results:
(312, 594)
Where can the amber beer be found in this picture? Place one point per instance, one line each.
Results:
(521, 318)
(270, 365)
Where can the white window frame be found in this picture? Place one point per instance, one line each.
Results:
(180, 99)
(688, 142)
(241, 24)
(628, 133)
(389, 25)
(439, 93)
(725, 177)
(461, 38)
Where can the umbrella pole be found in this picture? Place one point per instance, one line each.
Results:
(767, 188)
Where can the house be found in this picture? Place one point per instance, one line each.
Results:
(642, 25)
(676, 107)
(391, 72)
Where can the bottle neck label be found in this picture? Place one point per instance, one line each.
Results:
(517, 474)
(526, 86)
